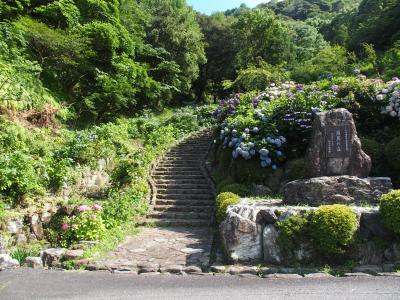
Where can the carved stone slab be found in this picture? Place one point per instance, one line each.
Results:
(335, 148)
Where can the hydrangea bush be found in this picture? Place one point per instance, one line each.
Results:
(275, 125)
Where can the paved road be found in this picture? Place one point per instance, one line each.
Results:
(31, 284)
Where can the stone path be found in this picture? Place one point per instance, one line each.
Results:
(184, 201)
(163, 250)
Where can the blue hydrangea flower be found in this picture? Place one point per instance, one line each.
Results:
(256, 130)
(274, 167)
(264, 152)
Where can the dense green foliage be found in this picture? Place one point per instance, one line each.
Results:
(226, 195)
(333, 229)
(223, 201)
(390, 210)
(293, 231)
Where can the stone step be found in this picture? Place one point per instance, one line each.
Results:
(185, 208)
(174, 177)
(180, 202)
(179, 182)
(183, 191)
(183, 156)
(178, 169)
(179, 164)
(185, 197)
(170, 186)
(180, 215)
(179, 223)
(179, 173)
(177, 159)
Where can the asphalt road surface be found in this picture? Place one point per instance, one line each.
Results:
(33, 284)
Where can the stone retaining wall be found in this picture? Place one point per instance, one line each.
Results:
(250, 234)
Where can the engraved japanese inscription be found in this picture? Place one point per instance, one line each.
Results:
(338, 141)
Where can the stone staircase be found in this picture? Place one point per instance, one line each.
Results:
(183, 195)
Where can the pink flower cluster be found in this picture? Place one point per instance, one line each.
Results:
(85, 207)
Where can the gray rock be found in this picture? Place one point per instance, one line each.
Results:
(388, 268)
(241, 235)
(51, 257)
(371, 226)
(272, 251)
(192, 250)
(266, 216)
(318, 275)
(173, 269)
(7, 262)
(45, 217)
(36, 226)
(370, 269)
(358, 274)
(237, 270)
(192, 269)
(370, 253)
(350, 160)
(216, 268)
(20, 239)
(390, 274)
(392, 254)
(333, 190)
(14, 226)
(283, 276)
(148, 268)
(34, 262)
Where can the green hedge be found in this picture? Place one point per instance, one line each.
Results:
(333, 228)
(390, 210)
(223, 201)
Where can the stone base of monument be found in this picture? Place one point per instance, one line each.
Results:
(336, 190)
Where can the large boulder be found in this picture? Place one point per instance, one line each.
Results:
(336, 189)
(241, 235)
(7, 262)
(335, 148)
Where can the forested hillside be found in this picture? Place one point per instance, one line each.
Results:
(102, 88)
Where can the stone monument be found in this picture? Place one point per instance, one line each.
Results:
(337, 168)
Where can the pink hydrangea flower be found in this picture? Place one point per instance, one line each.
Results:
(65, 227)
(94, 217)
(97, 207)
(83, 208)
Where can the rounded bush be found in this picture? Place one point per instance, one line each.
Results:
(392, 153)
(235, 188)
(333, 228)
(227, 195)
(222, 206)
(390, 210)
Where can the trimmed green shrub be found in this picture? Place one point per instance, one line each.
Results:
(221, 209)
(390, 210)
(227, 195)
(392, 153)
(235, 188)
(293, 231)
(333, 228)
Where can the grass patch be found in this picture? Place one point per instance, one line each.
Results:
(113, 237)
